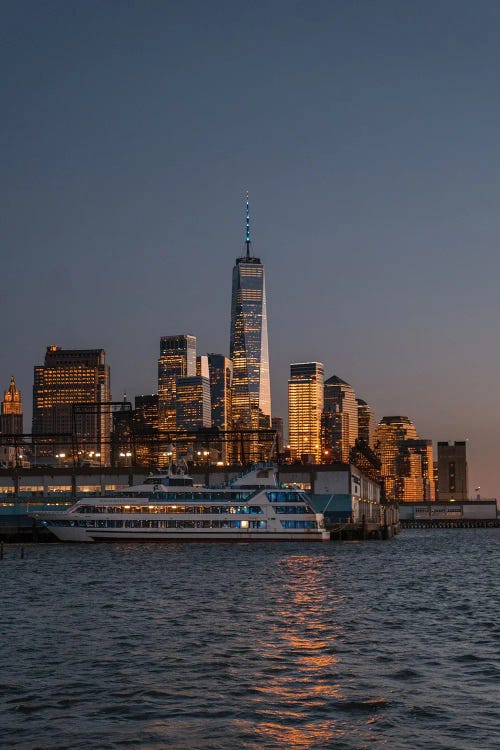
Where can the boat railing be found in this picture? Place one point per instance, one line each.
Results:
(254, 467)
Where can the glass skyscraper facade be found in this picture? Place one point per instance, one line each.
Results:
(340, 397)
(407, 461)
(177, 360)
(305, 405)
(193, 403)
(251, 399)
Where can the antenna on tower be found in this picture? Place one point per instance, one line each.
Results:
(247, 238)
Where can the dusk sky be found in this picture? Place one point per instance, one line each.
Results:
(367, 134)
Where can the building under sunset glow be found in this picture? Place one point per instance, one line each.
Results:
(305, 406)
(407, 464)
(72, 377)
(11, 418)
(251, 401)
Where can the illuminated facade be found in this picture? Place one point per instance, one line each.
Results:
(177, 360)
(340, 397)
(146, 429)
(423, 449)
(193, 411)
(366, 422)
(11, 418)
(305, 406)
(452, 470)
(220, 372)
(407, 461)
(73, 377)
(251, 399)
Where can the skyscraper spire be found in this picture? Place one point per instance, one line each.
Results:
(247, 239)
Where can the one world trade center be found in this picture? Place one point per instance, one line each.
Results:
(251, 399)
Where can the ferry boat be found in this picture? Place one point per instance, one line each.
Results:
(253, 507)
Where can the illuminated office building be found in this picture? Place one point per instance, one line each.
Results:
(251, 400)
(340, 397)
(423, 449)
(406, 461)
(220, 373)
(146, 411)
(193, 411)
(177, 360)
(146, 429)
(73, 378)
(366, 422)
(452, 470)
(305, 406)
(11, 418)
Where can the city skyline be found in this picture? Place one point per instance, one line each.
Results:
(367, 140)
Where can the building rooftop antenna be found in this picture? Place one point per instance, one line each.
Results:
(247, 238)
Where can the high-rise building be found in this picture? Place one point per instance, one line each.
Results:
(122, 438)
(146, 429)
(146, 411)
(406, 461)
(11, 418)
(192, 403)
(73, 378)
(177, 360)
(340, 397)
(334, 436)
(366, 422)
(452, 470)
(251, 402)
(219, 371)
(220, 374)
(423, 448)
(305, 406)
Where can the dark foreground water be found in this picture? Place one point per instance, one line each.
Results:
(363, 645)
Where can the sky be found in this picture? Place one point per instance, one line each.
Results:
(367, 134)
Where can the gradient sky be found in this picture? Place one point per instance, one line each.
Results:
(367, 133)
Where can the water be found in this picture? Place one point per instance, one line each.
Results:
(388, 645)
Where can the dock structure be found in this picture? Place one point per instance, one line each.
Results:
(450, 514)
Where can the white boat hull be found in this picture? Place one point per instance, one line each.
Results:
(73, 534)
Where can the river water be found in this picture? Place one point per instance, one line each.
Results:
(388, 645)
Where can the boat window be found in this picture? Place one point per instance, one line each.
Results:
(284, 497)
(291, 509)
(288, 524)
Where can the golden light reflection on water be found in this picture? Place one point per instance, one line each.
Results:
(300, 638)
(305, 736)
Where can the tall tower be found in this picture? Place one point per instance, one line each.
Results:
(251, 402)
(305, 405)
(11, 419)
